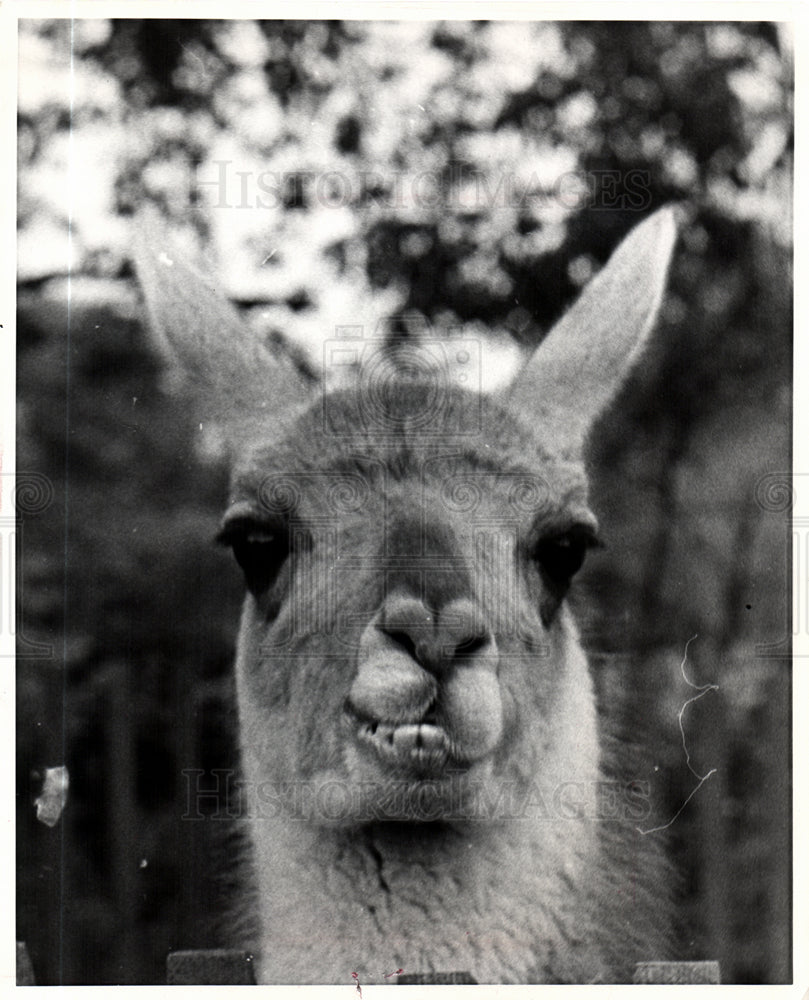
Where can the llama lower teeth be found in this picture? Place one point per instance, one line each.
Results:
(418, 741)
(419, 738)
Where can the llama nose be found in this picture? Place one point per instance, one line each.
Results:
(456, 634)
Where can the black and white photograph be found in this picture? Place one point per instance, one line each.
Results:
(403, 512)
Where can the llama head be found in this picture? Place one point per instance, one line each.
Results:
(407, 545)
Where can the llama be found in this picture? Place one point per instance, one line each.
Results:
(419, 736)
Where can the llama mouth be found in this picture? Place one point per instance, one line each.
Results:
(423, 745)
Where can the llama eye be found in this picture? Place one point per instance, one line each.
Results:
(561, 556)
(259, 550)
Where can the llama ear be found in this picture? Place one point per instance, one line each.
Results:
(234, 379)
(580, 365)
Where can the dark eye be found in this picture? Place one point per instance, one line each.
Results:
(561, 556)
(260, 551)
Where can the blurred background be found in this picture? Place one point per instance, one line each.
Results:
(463, 176)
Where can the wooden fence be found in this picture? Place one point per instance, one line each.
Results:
(223, 967)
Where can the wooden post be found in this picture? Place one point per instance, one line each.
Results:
(25, 971)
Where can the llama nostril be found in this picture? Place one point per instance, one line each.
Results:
(435, 639)
(404, 640)
(469, 647)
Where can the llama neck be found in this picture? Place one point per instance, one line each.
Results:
(504, 904)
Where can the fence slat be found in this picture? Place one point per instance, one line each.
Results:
(676, 973)
(436, 979)
(216, 967)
